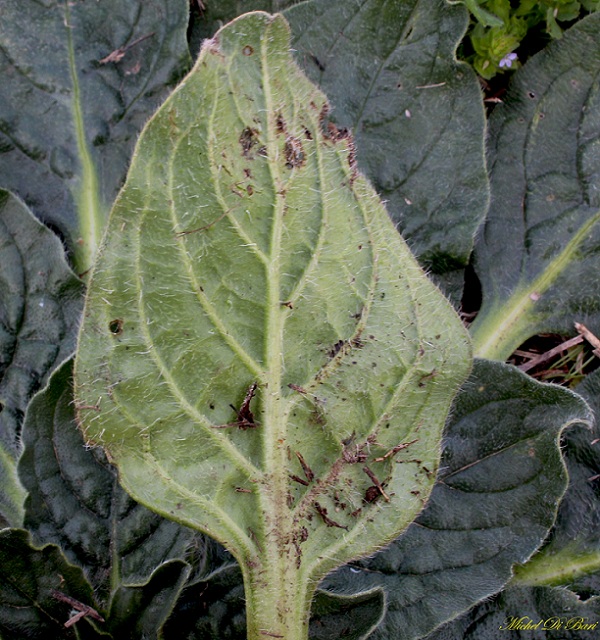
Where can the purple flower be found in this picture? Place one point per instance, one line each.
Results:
(507, 61)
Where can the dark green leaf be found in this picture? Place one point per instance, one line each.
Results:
(79, 80)
(214, 609)
(571, 557)
(75, 501)
(500, 479)
(31, 582)
(541, 613)
(40, 305)
(207, 16)
(352, 617)
(249, 265)
(390, 72)
(537, 256)
(140, 611)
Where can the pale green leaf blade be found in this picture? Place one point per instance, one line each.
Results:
(74, 499)
(40, 305)
(259, 344)
(500, 479)
(390, 71)
(12, 494)
(79, 80)
(537, 253)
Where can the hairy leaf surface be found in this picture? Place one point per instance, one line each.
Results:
(259, 348)
(495, 498)
(390, 71)
(222, 614)
(74, 499)
(537, 254)
(79, 80)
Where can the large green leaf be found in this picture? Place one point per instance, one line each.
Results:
(43, 596)
(571, 556)
(75, 501)
(32, 582)
(500, 479)
(140, 611)
(40, 305)
(390, 71)
(259, 346)
(537, 255)
(79, 80)
(527, 614)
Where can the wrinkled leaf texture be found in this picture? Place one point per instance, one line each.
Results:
(559, 614)
(40, 304)
(253, 302)
(537, 253)
(74, 500)
(495, 498)
(79, 80)
(390, 71)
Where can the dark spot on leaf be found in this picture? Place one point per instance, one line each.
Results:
(249, 189)
(293, 152)
(280, 124)
(335, 349)
(372, 494)
(308, 134)
(247, 50)
(531, 94)
(116, 326)
(248, 139)
(319, 64)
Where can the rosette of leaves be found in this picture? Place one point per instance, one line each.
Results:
(261, 355)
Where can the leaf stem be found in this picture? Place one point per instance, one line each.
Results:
(546, 569)
(90, 213)
(506, 325)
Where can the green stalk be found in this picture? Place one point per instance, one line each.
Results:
(562, 568)
(278, 598)
(90, 212)
(504, 326)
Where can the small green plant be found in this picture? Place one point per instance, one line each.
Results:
(262, 364)
(499, 27)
